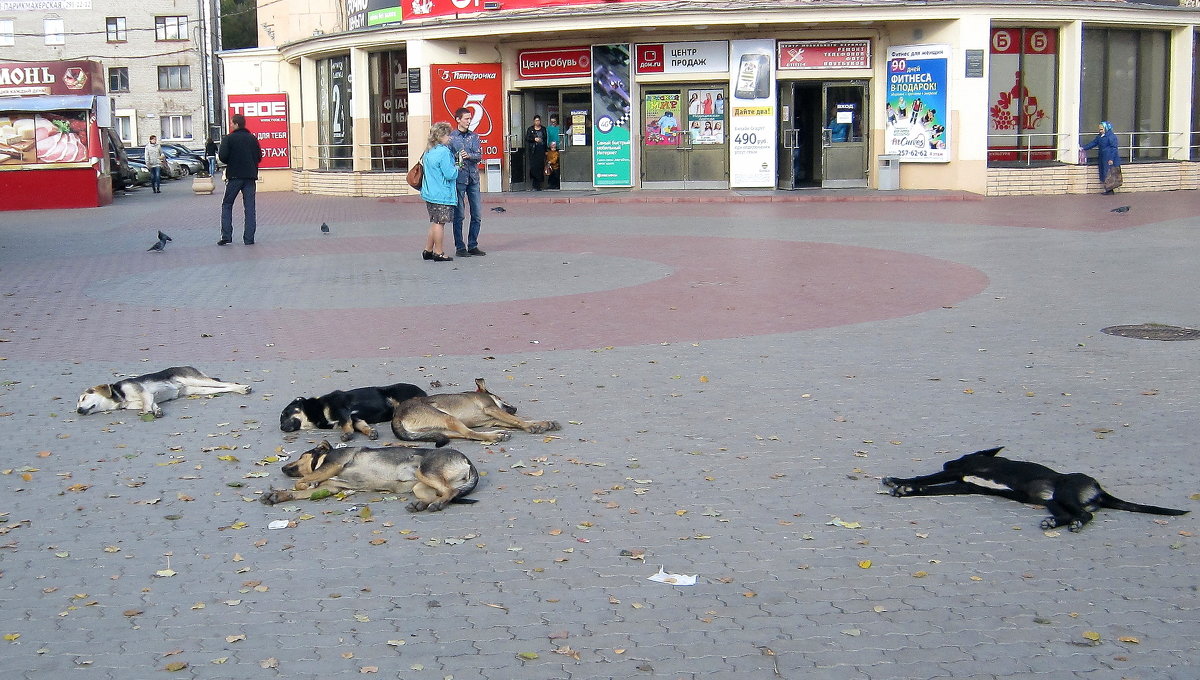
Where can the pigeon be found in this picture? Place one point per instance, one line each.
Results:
(324, 228)
(161, 245)
(499, 208)
(1123, 208)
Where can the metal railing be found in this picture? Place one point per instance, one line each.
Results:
(1133, 147)
(340, 157)
(389, 157)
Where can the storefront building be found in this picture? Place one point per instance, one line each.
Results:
(991, 98)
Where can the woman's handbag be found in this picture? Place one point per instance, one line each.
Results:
(415, 176)
(1113, 179)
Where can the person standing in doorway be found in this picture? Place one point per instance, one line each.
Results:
(154, 162)
(536, 145)
(468, 151)
(438, 189)
(553, 131)
(210, 155)
(241, 155)
(552, 174)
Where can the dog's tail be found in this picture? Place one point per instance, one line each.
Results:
(1107, 500)
(468, 485)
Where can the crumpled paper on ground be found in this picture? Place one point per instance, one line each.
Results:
(673, 579)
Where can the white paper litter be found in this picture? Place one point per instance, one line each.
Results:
(673, 579)
(278, 524)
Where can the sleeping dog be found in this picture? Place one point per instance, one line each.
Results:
(435, 476)
(440, 417)
(349, 411)
(144, 392)
(1069, 497)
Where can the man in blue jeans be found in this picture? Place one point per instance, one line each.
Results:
(241, 155)
(468, 150)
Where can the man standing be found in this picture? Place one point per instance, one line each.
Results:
(468, 151)
(241, 155)
(154, 160)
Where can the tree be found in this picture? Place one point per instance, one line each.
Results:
(239, 24)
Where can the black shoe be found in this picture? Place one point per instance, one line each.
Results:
(462, 253)
(224, 242)
(441, 258)
(476, 252)
(1109, 192)
(249, 243)
(426, 254)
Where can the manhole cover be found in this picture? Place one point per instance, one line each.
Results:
(1153, 331)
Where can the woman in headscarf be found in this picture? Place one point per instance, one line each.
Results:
(1110, 157)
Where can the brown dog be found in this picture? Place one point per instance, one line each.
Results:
(435, 476)
(439, 417)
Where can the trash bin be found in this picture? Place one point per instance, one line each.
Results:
(889, 173)
(491, 171)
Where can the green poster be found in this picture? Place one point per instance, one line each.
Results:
(612, 147)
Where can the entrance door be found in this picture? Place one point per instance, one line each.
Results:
(799, 135)
(843, 140)
(684, 141)
(575, 139)
(518, 169)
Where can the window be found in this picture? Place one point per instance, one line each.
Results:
(1023, 94)
(170, 28)
(118, 79)
(6, 33)
(389, 111)
(54, 30)
(1125, 81)
(124, 128)
(115, 29)
(177, 128)
(174, 78)
(334, 140)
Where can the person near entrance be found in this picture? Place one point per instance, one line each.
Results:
(241, 155)
(552, 174)
(535, 146)
(154, 162)
(468, 151)
(553, 131)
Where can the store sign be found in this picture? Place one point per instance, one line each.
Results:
(266, 117)
(42, 5)
(916, 117)
(477, 87)
(424, 9)
(368, 13)
(612, 146)
(33, 78)
(711, 56)
(556, 62)
(1026, 40)
(752, 123)
(824, 54)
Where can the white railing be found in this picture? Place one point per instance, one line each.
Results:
(1133, 147)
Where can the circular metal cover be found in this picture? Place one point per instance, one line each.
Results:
(1153, 331)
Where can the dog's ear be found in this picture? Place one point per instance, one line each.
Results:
(990, 452)
(481, 386)
(319, 460)
(323, 446)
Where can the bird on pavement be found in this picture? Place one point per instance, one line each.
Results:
(324, 228)
(499, 209)
(161, 245)
(1123, 208)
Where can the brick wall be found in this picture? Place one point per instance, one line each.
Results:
(1075, 179)
(370, 184)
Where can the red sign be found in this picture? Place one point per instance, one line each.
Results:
(1024, 40)
(31, 78)
(477, 87)
(650, 59)
(267, 117)
(423, 9)
(556, 62)
(824, 54)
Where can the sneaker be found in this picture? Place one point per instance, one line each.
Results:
(437, 257)
(476, 252)
(224, 242)
(462, 253)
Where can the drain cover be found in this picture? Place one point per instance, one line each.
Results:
(1153, 331)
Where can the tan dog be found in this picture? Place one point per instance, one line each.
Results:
(435, 476)
(145, 391)
(440, 417)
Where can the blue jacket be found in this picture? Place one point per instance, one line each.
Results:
(1109, 152)
(438, 184)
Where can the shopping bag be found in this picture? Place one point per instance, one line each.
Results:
(1113, 179)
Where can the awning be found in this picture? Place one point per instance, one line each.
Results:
(49, 102)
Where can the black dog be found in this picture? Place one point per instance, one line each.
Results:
(348, 410)
(1070, 498)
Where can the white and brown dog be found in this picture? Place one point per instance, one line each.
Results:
(144, 392)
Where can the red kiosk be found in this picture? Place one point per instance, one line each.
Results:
(51, 153)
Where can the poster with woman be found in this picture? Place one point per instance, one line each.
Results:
(706, 122)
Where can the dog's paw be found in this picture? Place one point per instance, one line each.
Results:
(895, 488)
(244, 389)
(347, 436)
(372, 434)
(545, 426)
(1075, 526)
(301, 486)
(1050, 523)
(416, 506)
(275, 496)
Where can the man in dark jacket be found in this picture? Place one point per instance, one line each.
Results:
(241, 155)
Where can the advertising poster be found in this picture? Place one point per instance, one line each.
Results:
(916, 117)
(752, 119)
(44, 138)
(612, 147)
(706, 116)
(662, 120)
(367, 13)
(477, 87)
(1023, 66)
(31, 78)
(267, 117)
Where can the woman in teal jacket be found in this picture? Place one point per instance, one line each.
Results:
(438, 189)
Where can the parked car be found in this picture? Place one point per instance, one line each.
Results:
(141, 174)
(173, 168)
(191, 164)
(123, 176)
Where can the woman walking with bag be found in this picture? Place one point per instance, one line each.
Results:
(1110, 157)
(438, 188)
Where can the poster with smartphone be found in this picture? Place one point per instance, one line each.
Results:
(752, 124)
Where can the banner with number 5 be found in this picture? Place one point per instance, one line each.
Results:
(477, 87)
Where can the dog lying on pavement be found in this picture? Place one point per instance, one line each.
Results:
(438, 418)
(435, 477)
(1070, 497)
(144, 392)
(349, 411)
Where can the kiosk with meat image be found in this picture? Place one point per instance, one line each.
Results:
(51, 154)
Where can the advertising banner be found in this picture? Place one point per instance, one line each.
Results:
(752, 121)
(555, 62)
(710, 56)
(662, 120)
(267, 117)
(916, 117)
(1023, 65)
(824, 54)
(424, 9)
(706, 116)
(477, 87)
(612, 148)
(31, 78)
(367, 13)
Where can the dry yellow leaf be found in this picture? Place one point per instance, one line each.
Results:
(920, 574)
(865, 564)
(1132, 640)
(1091, 635)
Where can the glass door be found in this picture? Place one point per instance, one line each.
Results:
(575, 139)
(518, 174)
(843, 136)
(684, 141)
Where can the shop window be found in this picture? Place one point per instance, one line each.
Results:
(174, 78)
(177, 128)
(6, 33)
(335, 142)
(55, 31)
(1023, 96)
(114, 29)
(1125, 81)
(170, 28)
(118, 79)
(389, 111)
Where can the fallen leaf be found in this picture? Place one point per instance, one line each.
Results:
(1131, 640)
(174, 665)
(865, 564)
(269, 663)
(11, 637)
(369, 669)
(527, 656)
(1091, 635)
(236, 638)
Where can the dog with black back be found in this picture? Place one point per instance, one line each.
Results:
(438, 418)
(1070, 497)
(349, 411)
(144, 392)
(436, 477)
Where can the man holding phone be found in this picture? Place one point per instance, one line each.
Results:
(468, 151)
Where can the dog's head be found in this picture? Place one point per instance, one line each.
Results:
(294, 418)
(969, 460)
(308, 462)
(96, 399)
(481, 386)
